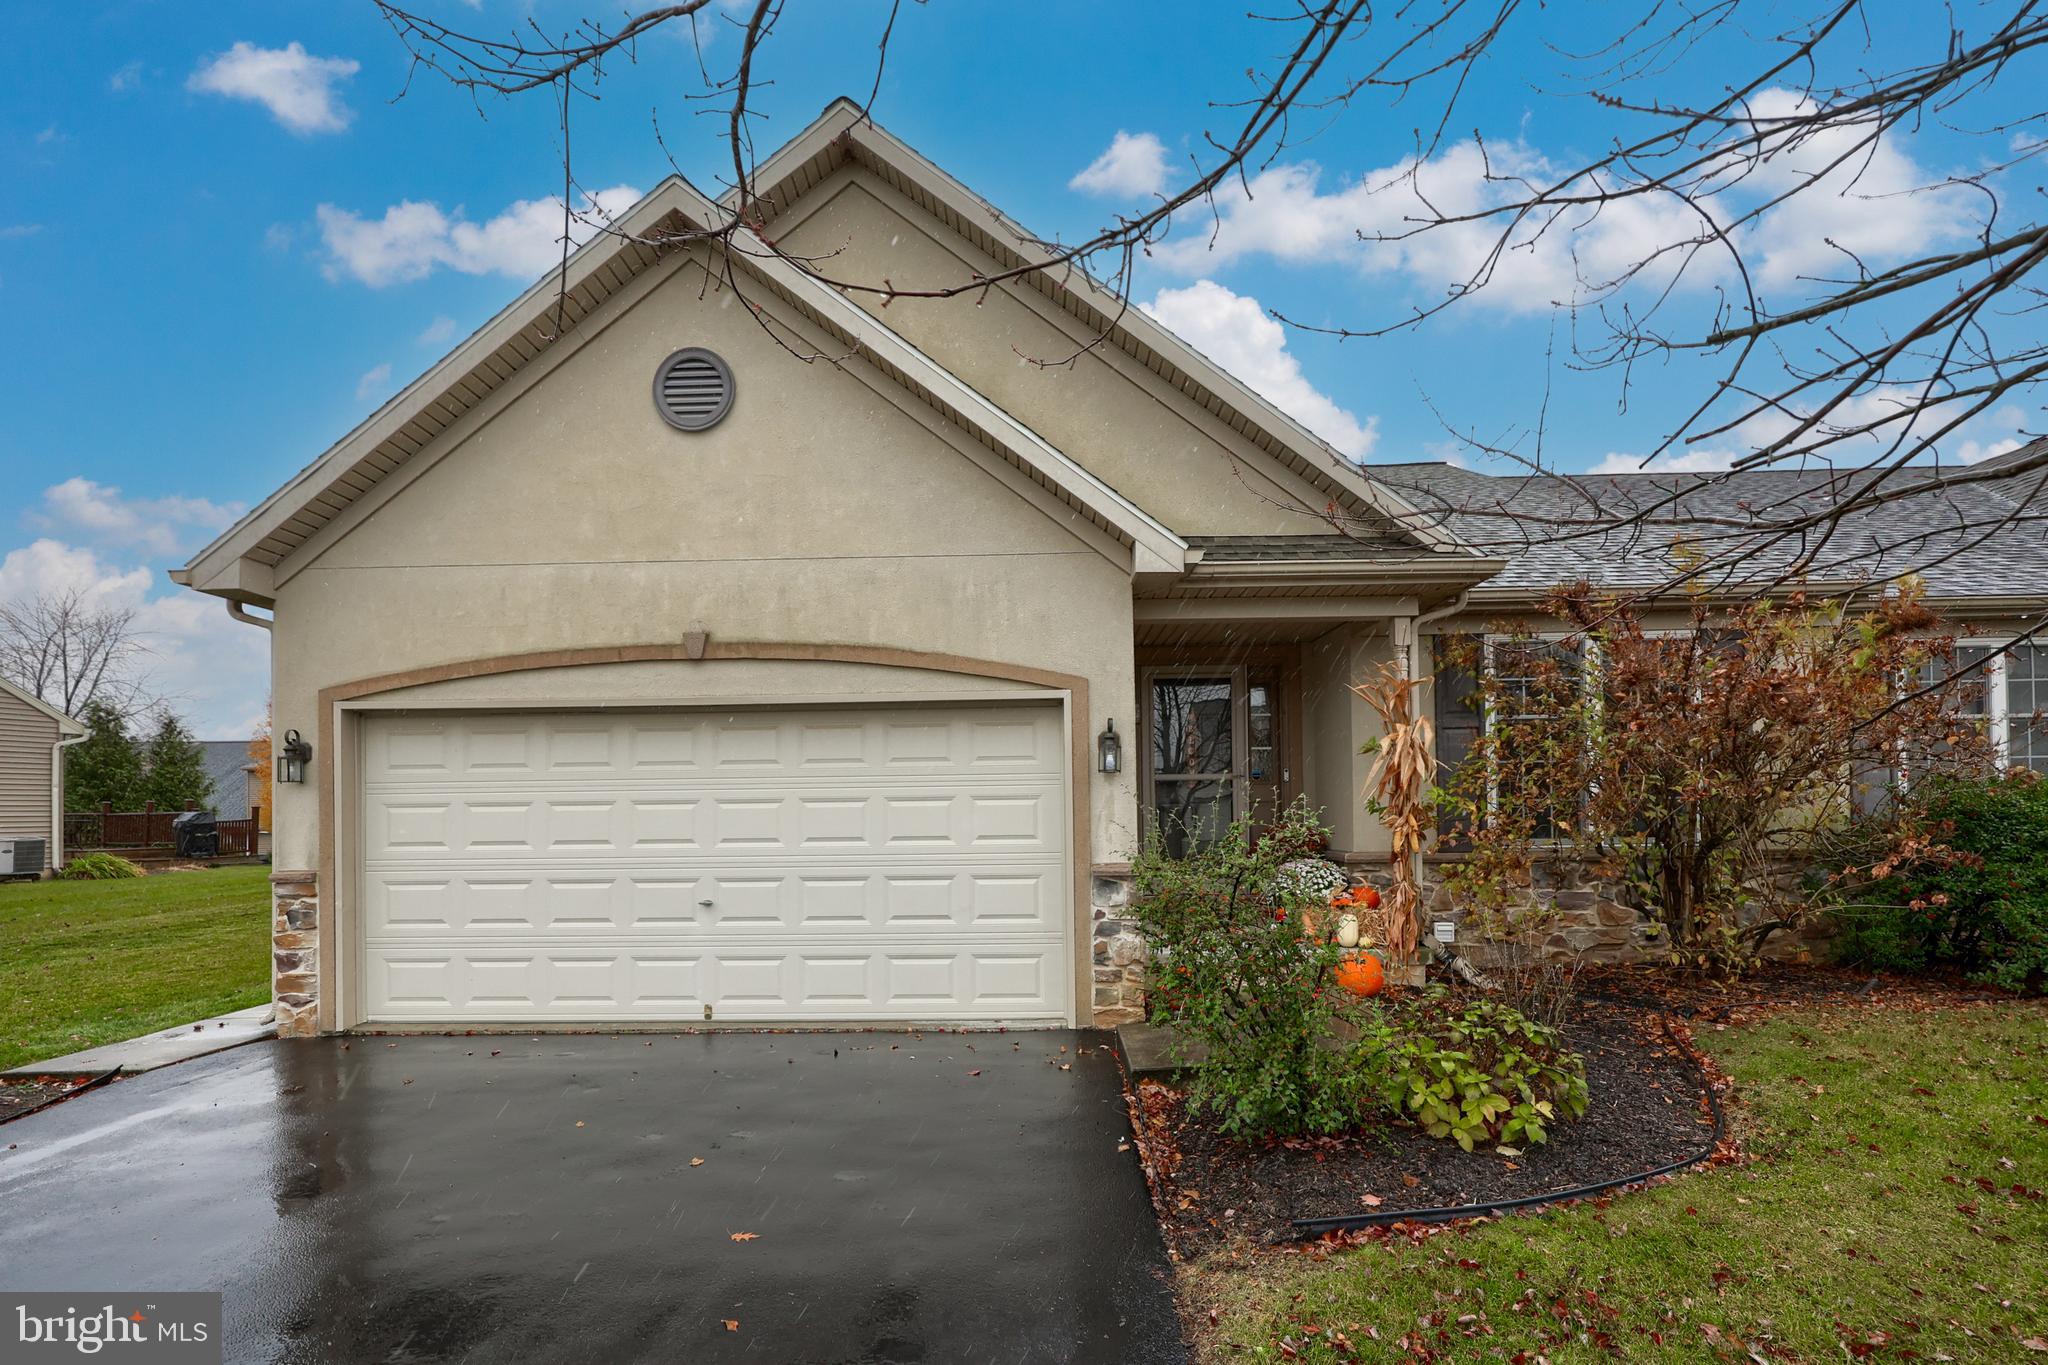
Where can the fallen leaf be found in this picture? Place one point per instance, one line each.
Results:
(579, 1123)
(1371, 1201)
(974, 1073)
(732, 1324)
(696, 1161)
(745, 1236)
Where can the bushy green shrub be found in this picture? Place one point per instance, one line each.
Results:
(1234, 969)
(1473, 1071)
(98, 867)
(1966, 885)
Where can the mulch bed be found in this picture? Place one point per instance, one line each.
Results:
(1647, 1108)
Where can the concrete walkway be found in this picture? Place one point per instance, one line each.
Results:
(134, 1056)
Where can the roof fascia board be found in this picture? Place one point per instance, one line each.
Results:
(373, 430)
(872, 335)
(1286, 482)
(614, 310)
(844, 117)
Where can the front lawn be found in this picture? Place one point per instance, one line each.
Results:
(1891, 1210)
(83, 963)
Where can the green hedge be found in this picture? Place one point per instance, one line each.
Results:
(1972, 894)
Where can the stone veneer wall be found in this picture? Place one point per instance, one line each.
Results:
(1592, 925)
(295, 952)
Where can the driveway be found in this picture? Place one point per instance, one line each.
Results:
(897, 1197)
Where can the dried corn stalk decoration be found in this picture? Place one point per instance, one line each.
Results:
(1397, 791)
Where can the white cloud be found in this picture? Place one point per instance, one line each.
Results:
(373, 381)
(437, 332)
(1876, 203)
(1676, 462)
(211, 669)
(127, 77)
(295, 86)
(1234, 331)
(413, 239)
(15, 231)
(278, 237)
(162, 526)
(1375, 223)
(1134, 164)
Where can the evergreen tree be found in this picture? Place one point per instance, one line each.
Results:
(174, 766)
(106, 767)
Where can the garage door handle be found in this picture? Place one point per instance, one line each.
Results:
(705, 904)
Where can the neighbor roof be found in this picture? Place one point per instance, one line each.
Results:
(227, 764)
(1978, 539)
(65, 724)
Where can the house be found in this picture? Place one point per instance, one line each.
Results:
(698, 641)
(33, 736)
(229, 768)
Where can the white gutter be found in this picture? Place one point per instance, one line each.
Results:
(241, 613)
(1407, 630)
(57, 796)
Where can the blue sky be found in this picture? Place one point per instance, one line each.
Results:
(225, 240)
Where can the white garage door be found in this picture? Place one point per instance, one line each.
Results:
(775, 865)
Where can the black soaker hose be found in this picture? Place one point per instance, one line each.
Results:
(1352, 1222)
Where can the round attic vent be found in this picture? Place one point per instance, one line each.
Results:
(693, 389)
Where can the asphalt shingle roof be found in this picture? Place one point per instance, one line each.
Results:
(225, 759)
(1984, 539)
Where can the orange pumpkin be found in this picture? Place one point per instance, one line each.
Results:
(1362, 975)
(1368, 896)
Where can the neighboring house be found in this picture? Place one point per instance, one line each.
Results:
(33, 735)
(717, 645)
(229, 768)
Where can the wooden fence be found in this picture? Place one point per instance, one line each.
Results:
(149, 829)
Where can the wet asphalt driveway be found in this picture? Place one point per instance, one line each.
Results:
(500, 1199)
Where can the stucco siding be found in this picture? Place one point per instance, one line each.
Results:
(26, 736)
(1103, 409)
(817, 513)
(1338, 725)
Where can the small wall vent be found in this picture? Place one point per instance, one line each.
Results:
(693, 389)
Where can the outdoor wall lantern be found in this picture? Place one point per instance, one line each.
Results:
(292, 758)
(1109, 749)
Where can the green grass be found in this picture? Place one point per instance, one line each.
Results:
(83, 963)
(1841, 1238)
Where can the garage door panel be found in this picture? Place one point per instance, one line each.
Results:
(759, 985)
(774, 865)
(754, 825)
(906, 899)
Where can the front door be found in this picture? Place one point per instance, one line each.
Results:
(1213, 750)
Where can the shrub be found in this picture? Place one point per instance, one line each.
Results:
(1964, 883)
(1474, 1072)
(1236, 969)
(98, 867)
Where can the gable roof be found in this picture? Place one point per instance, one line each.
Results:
(238, 564)
(68, 725)
(1985, 539)
(842, 135)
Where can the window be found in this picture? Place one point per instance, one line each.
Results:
(2008, 690)
(1538, 680)
(1214, 748)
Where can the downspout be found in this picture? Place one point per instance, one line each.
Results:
(57, 795)
(1408, 638)
(241, 613)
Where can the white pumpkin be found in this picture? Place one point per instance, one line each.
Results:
(1347, 931)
